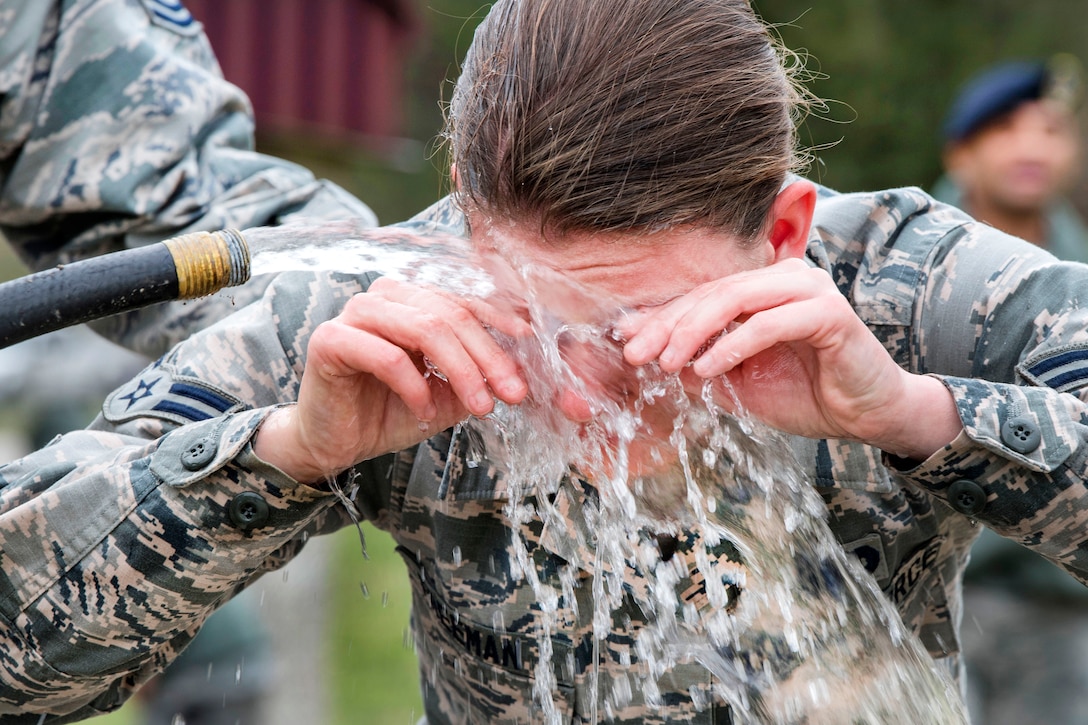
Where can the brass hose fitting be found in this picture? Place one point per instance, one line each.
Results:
(185, 267)
(207, 262)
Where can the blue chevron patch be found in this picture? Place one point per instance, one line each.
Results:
(159, 393)
(1064, 369)
(173, 15)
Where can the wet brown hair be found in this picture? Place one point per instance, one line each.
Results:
(624, 116)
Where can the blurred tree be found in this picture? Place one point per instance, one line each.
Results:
(889, 69)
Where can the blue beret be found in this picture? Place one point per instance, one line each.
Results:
(992, 93)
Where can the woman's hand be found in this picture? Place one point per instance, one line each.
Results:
(398, 364)
(798, 358)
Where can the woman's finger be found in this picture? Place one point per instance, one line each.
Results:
(447, 335)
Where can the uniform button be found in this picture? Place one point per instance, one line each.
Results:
(199, 454)
(1021, 434)
(967, 497)
(248, 511)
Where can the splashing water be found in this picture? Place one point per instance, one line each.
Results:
(442, 261)
(795, 631)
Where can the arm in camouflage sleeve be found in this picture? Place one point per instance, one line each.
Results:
(117, 130)
(110, 567)
(117, 542)
(1003, 327)
(990, 325)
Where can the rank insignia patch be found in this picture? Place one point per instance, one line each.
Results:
(1064, 369)
(159, 393)
(172, 15)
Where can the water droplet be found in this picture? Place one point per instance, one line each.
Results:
(385, 599)
(457, 556)
(365, 590)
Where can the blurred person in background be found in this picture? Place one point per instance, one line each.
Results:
(117, 130)
(1012, 151)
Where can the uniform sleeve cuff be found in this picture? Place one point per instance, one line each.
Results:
(212, 463)
(1037, 428)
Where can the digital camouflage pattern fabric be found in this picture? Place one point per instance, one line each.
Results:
(117, 542)
(175, 512)
(117, 130)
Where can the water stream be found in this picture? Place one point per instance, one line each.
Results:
(792, 629)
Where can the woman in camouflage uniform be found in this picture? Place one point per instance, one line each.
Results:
(643, 149)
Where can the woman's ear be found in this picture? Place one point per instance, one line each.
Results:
(791, 219)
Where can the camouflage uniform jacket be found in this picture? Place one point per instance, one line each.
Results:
(119, 540)
(117, 129)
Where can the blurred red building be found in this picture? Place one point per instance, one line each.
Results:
(334, 67)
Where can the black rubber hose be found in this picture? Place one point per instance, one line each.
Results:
(69, 294)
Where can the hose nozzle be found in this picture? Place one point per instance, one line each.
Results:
(186, 267)
(206, 262)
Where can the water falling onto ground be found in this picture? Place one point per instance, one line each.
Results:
(792, 629)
